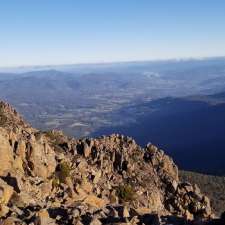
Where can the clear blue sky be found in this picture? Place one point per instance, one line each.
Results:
(74, 31)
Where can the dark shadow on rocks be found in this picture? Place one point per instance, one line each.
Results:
(12, 181)
(54, 212)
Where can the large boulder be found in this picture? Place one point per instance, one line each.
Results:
(41, 158)
(6, 153)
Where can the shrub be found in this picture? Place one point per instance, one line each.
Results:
(64, 171)
(55, 182)
(126, 193)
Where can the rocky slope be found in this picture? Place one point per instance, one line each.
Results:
(212, 186)
(48, 178)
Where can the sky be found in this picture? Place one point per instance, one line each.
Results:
(44, 32)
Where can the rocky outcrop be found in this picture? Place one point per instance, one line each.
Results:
(6, 153)
(48, 178)
(40, 158)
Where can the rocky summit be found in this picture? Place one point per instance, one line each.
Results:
(49, 178)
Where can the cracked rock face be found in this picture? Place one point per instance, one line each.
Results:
(48, 178)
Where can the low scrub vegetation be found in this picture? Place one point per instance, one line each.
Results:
(126, 193)
(63, 171)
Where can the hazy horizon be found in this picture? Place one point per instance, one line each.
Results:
(51, 66)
